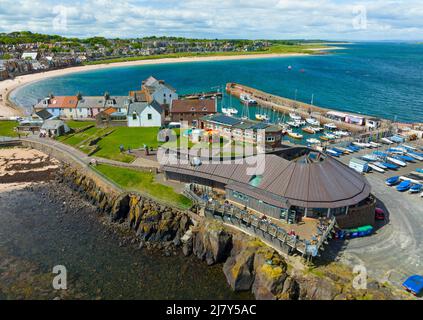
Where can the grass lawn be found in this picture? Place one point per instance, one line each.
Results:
(144, 182)
(77, 138)
(7, 128)
(73, 124)
(129, 137)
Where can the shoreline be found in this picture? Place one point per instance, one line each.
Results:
(9, 109)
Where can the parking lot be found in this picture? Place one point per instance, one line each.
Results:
(395, 251)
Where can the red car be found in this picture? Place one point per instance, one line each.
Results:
(379, 214)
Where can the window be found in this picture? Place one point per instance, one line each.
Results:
(240, 196)
(270, 139)
(134, 116)
(149, 116)
(255, 180)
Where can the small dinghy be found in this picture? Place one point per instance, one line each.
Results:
(415, 156)
(380, 165)
(416, 188)
(392, 180)
(396, 161)
(404, 186)
(332, 153)
(386, 141)
(390, 165)
(369, 157)
(406, 158)
(376, 168)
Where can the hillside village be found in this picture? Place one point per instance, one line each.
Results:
(26, 52)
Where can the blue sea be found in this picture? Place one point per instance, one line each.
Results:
(379, 79)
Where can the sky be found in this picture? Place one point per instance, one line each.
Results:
(247, 19)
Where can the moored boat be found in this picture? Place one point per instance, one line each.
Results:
(294, 124)
(247, 100)
(309, 130)
(313, 141)
(295, 135)
(330, 126)
(294, 116)
(262, 117)
(313, 122)
(341, 133)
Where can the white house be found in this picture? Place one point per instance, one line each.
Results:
(159, 90)
(144, 114)
(30, 56)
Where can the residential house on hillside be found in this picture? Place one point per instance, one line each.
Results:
(145, 114)
(89, 107)
(54, 128)
(62, 106)
(4, 74)
(82, 107)
(111, 117)
(192, 110)
(158, 90)
(30, 56)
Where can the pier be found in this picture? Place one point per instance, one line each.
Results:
(285, 105)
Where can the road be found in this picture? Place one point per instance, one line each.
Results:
(395, 251)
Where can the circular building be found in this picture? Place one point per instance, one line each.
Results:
(311, 186)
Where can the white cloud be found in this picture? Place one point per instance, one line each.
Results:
(328, 19)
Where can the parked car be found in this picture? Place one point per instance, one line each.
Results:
(414, 284)
(379, 214)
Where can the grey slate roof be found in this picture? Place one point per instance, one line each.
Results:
(138, 107)
(324, 184)
(44, 114)
(91, 102)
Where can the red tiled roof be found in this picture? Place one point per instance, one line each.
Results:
(110, 110)
(63, 102)
(189, 106)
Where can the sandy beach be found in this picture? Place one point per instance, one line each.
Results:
(8, 109)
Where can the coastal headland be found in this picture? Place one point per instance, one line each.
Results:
(248, 264)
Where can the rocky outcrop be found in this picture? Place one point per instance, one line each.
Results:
(248, 263)
(211, 242)
(150, 220)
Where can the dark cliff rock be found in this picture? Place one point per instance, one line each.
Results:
(248, 263)
(151, 221)
(211, 242)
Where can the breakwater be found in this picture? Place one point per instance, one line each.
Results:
(286, 106)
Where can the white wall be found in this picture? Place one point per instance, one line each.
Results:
(143, 121)
(164, 95)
